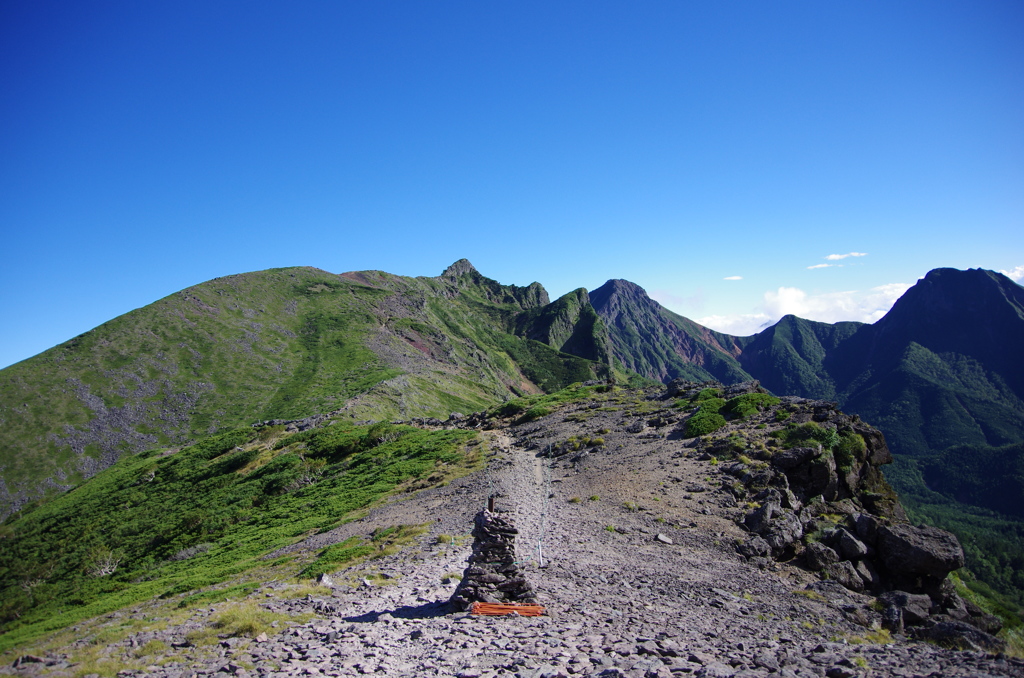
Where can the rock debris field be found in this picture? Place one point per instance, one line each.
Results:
(631, 546)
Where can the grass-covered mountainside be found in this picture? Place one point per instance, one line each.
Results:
(168, 522)
(942, 374)
(284, 344)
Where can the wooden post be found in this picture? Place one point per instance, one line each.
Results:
(490, 503)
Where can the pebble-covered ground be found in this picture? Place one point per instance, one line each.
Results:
(631, 548)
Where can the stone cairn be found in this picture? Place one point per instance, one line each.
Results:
(493, 576)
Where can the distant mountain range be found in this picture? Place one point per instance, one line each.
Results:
(943, 368)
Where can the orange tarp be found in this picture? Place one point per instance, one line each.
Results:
(499, 609)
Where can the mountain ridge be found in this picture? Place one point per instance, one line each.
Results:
(287, 343)
(290, 343)
(268, 344)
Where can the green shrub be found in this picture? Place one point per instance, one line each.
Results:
(703, 423)
(711, 405)
(795, 436)
(747, 404)
(708, 393)
(851, 447)
(534, 413)
(512, 407)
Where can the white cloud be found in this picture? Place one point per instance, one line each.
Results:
(666, 298)
(832, 307)
(737, 325)
(1016, 274)
(733, 277)
(820, 266)
(837, 257)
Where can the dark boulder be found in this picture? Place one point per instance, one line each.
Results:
(959, 636)
(797, 456)
(849, 546)
(983, 620)
(844, 573)
(906, 549)
(867, 527)
(915, 606)
(869, 573)
(754, 547)
(818, 556)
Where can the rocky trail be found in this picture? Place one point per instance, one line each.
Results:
(630, 543)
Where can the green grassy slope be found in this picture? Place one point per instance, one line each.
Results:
(164, 524)
(283, 343)
(569, 324)
(171, 523)
(791, 357)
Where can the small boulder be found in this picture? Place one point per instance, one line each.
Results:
(892, 619)
(818, 556)
(867, 527)
(869, 573)
(791, 458)
(844, 573)
(980, 619)
(915, 606)
(850, 548)
(754, 547)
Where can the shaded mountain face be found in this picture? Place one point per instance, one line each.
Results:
(793, 356)
(651, 340)
(944, 367)
(570, 325)
(977, 314)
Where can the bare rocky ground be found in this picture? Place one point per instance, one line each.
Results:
(631, 548)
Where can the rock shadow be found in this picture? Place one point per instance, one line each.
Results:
(438, 608)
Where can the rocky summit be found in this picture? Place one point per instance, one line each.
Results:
(694, 530)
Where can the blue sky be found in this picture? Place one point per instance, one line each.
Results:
(715, 153)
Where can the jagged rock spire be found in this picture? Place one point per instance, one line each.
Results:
(459, 268)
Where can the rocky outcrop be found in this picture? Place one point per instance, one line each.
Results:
(493, 574)
(823, 502)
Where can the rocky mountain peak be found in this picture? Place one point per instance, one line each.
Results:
(460, 267)
(951, 292)
(615, 292)
(974, 313)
